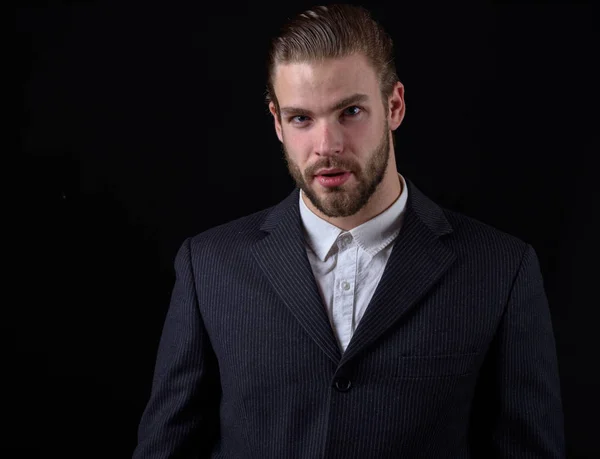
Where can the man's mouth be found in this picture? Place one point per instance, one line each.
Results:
(331, 172)
(332, 178)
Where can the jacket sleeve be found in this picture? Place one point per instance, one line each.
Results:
(517, 410)
(181, 417)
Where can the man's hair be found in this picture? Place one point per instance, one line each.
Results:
(333, 31)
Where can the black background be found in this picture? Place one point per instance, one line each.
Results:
(142, 123)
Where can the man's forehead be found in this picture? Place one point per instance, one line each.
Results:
(325, 71)
(324, 84)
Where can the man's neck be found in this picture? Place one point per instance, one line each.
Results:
(380, 201)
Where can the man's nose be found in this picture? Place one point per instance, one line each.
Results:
(329, 140)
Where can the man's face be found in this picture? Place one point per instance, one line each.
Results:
(353, 136)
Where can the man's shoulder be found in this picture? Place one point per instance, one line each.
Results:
(242, 228)
(475, 234)
(464, 232)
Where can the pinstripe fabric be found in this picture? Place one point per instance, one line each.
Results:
(453, 358)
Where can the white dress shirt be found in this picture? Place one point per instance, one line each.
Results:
(348, 264)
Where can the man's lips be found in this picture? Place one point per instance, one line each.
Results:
(330, 172)
(334, 180)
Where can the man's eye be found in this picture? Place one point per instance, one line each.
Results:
(295, 118)
(350, 111)
(352, 108)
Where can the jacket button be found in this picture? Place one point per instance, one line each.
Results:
(342, 384)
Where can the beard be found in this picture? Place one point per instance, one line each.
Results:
(344, 200)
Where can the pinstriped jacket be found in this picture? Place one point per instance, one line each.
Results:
(454, 358)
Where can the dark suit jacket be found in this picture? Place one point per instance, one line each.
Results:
(454, 357)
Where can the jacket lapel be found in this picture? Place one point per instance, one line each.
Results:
(417, 262)
(282, 256)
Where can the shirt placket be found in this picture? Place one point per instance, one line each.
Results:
(344, 288)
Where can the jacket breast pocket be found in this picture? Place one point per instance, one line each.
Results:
(436, 366)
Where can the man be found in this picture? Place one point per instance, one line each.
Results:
(356, 318)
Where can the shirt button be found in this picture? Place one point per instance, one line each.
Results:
(345, 285)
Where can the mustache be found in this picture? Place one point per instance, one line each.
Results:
(328, 163)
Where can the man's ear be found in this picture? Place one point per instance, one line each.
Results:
(397, 108)
(273, 111)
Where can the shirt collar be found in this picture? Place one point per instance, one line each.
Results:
(372, 236)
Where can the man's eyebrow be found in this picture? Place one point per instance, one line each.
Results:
(353, 99)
